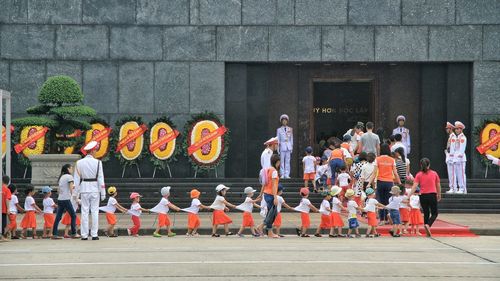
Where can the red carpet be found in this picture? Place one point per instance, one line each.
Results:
(440, 228)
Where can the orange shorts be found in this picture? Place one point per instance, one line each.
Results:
(66, 220)
(111, 218)
(29, 220)
(247, 220)
(309, 176)
(48, 220)
(416, 217)
(336, 220)
(277, 220)
(12, 221)
(404, 213)
(163, 220)
(193, 221)
(372, 218)
(326, 221)
(306, 221)
(219, 217)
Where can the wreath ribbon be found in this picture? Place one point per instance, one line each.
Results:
(32, 139)
(131, 137)
(163, 140)
(206, 139)
(98, 137)
(485, 146)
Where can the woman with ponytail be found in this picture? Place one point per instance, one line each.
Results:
(430, 192)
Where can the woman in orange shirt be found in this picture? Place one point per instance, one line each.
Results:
(270, 191)
(385, 172)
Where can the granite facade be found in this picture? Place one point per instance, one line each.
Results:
(156, 51)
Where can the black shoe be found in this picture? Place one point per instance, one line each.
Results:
(85, 239)
(95, 238)
(298, 231)
(14, 237)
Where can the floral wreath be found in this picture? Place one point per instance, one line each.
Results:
(159, 163)
(478, 130)
(16, 138)
(98, 120)
(225, 140)
(115, 138)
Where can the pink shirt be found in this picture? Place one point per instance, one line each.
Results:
(427, 181)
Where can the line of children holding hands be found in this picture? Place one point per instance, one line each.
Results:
(330, 213)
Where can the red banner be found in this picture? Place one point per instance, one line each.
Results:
(4, 133)
(206, 139)
(32, 139)
(163, 140)
(485, 146)
(99, 137)
(131, 137)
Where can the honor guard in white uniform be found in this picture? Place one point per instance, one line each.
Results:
(285, 140)
(265, 157)
(449, 160)
(89, 184)
(457, 152)
(404, 132)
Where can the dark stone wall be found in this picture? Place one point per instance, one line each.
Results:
(153, 57)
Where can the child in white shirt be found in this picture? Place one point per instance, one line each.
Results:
(135, 211)
(304, 208)
(193, 218)
(30, 208)
(48, 212)
(309, 168)
(110, 210)
(281, 203)
(325, 211)
(371, 212)
(247, 208)
(343, 180)
(337, 207)
(323, 175)
(416, 219)
(352, 208)
(162, 210)
(14, 208)
(393, 207)
(219, 217)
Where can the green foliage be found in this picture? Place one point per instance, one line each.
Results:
(58, 90)
(34, 121)
(39, 109)
(63, 112)
(74, 111)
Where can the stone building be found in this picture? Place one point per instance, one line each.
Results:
(327, 63)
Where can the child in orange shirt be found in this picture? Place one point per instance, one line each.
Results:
(219, 206)
(162, 210)
(30, 208)
(14, 208)
(135, 211)
(304, 208)
(247, 208)
(193, 218)
(48, 212)
(110, 210)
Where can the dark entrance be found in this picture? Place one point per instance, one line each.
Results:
(428, 94)
(340, 104)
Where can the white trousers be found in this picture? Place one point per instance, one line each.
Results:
(459, 171)
(90, 202)
(452, 180)
(285, 163)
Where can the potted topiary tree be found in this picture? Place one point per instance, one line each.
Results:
(62, 116)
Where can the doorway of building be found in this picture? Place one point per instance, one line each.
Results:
(339, 105)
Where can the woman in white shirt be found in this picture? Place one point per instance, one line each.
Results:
(65, 191)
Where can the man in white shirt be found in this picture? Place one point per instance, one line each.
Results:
(265, 157)
(399, 144)
(89, 184)
(457, 152)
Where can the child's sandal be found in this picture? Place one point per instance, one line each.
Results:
(305, 235)
(333, 236)
(318, 235)
(215, 235)
(229, 233)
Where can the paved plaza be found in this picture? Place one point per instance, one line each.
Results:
(233, 258)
